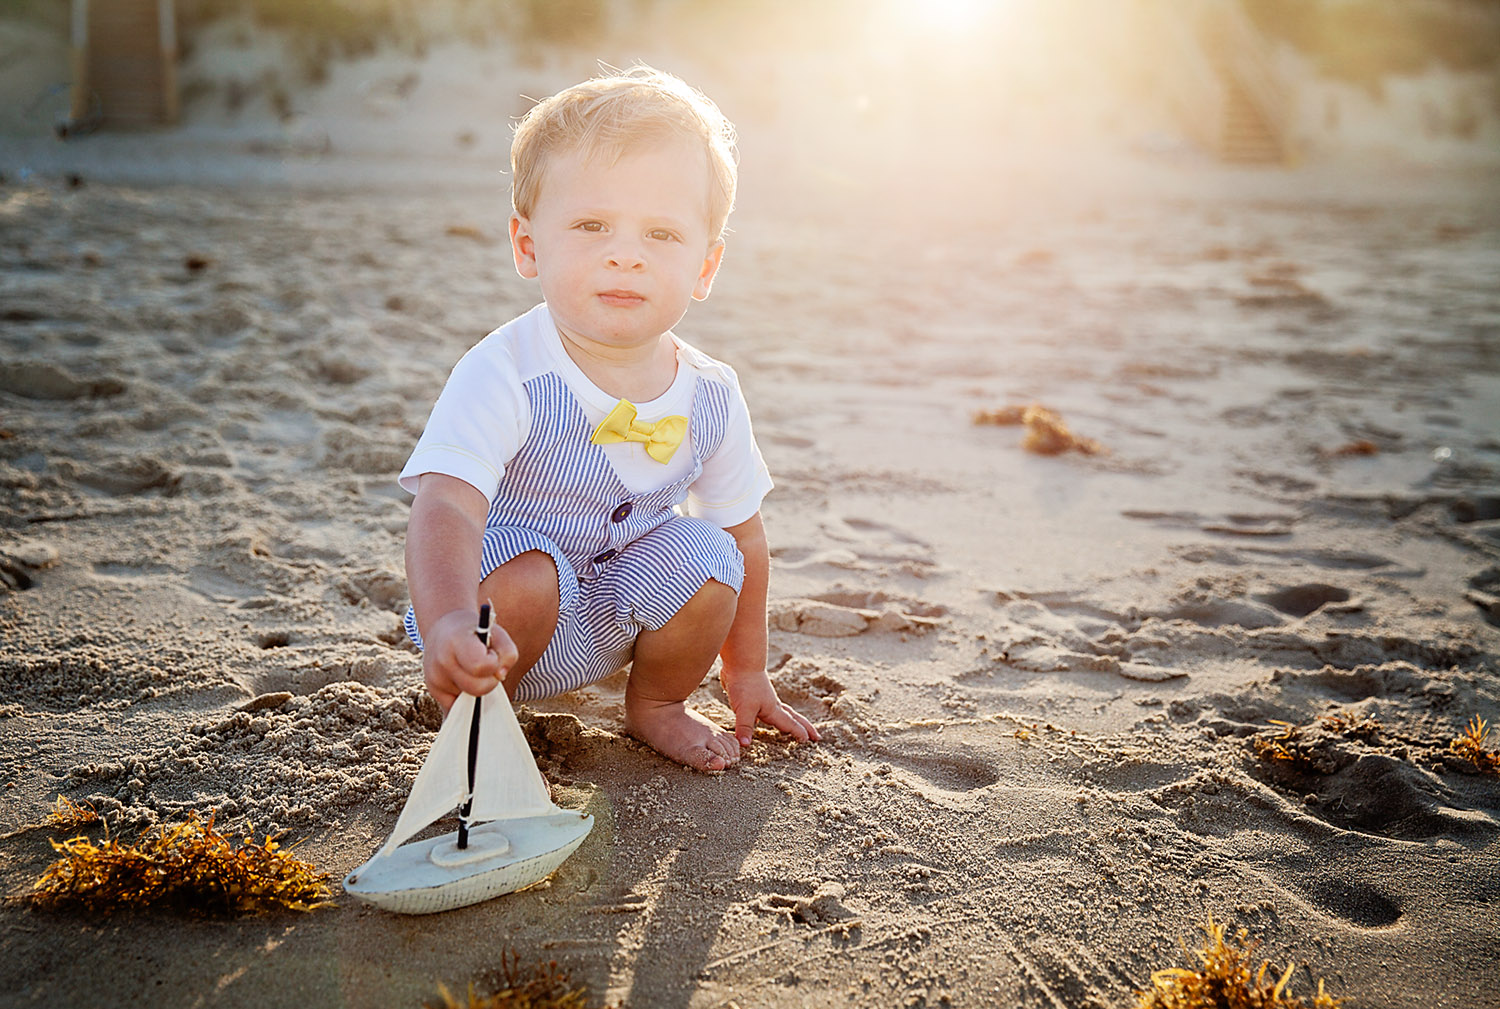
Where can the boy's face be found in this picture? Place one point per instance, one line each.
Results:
(620, 248)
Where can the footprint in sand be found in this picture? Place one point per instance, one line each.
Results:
(43, 380)
(955, 770)
(14, 577)
(1384, 795)
(1238, 524)
(825, 906)
(1477, 508)
(805, 680)
(880, 547)
(376, 587)
(796, 558)
(1354, 780)
(1338, 560)
(127, 475)
(1484, 592)
(1060, 632)
(20, 561)
(1360, 904)
(951, 776)
(845, 614)
(299, 664)
(274, 639)
(1280, 482)
(1304, 600)
(1331, 560)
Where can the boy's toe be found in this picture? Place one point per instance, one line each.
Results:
(682, 734)
(704, 759)
(725, 746)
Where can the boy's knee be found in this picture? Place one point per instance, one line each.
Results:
(531, 576)
(713, 601)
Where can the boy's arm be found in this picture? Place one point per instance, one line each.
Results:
(744, 676)
(443, 539)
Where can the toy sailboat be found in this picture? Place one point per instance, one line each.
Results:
(521, 837)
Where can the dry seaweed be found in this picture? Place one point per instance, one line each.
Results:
(1351, 724)
(1274, 747)
(1005, 416)
(1470, 746)
(187, 867)
(1313, 747)
(69, 815)
(512, 986)
(1224, 980)
(1352, 448)
(1046, 434)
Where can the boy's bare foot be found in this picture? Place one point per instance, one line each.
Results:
(679, 733)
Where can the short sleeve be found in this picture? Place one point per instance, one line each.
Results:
(734, 479)
(478, 423)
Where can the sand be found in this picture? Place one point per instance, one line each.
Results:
(1050, 687)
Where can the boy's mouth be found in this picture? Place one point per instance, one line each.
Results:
(623, 299)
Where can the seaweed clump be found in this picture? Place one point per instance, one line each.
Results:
(512, 986)
(66, 814)
(188, 867)
(1046, 433)
(1470, 746)
(1315, 748)
(1224, 980)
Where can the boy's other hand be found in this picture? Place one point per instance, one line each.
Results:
(455, 662)
(754, 699)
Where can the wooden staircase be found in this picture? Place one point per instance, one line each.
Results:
(124, 63)
(1222, 81)
(1246, 136)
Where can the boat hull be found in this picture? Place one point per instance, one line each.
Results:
(407, 881)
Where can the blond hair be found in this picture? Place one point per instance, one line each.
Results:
(609, 116)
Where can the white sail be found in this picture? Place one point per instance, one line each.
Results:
(507, 783)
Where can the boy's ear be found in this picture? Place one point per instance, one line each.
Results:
(523, 246)
(710, 267)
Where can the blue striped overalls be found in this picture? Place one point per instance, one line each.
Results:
(625, 562)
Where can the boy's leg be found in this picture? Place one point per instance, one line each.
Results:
(523, 592)
(669, 664)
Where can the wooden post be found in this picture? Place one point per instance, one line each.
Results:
(79, 56)
(166, 23)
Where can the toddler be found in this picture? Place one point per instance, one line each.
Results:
(585, 470)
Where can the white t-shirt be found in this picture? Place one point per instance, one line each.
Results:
(483, 417)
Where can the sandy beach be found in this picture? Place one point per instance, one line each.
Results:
(1051, 688)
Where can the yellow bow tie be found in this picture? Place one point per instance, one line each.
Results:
(661, 439)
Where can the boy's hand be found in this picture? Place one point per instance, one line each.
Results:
(754, 699)
(454, 661)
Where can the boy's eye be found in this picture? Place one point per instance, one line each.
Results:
(661, 235)
(591, 226)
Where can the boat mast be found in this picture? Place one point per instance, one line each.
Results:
(483, 632)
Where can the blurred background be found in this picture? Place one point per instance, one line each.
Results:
(840, 93)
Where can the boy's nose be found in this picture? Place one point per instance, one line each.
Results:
(626, 256)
